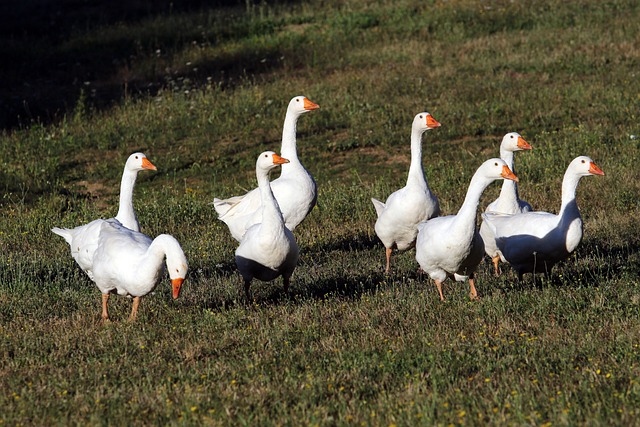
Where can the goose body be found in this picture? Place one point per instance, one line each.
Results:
(450, 246)
(295, 189)
(129, 263)
(508, 202)
(83, 240)
(268, 249)
(533, 242)
(404, 209)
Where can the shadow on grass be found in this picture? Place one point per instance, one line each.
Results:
(55, 50)
(358, 242)
(349, 287)
(272, 293)
(597, 265)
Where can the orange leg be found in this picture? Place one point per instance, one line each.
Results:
(439, 286)
(134, 309)
(105, 313)
(496, 260)
(474, 293)
(388, 254)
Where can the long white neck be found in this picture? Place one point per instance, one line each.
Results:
(126, 215)
(416, 171)
(569, 186)
(289, 150)
(271, 214)
(466, 216)
(570, 221)
(509, 190)
(151, 264)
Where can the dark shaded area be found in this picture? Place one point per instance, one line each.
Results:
(360, 241)
(350, 288)
(599, 265)
(272, 292)
(43, 77)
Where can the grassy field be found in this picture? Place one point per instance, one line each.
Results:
(202, 89)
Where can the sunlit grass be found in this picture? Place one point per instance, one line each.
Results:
(349, 345)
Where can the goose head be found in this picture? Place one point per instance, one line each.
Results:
(177, 268)
(497, 169)
(300, 105)
(137, 162)
(424, 121)
(584, 166)
(513, 141)
(269, 160)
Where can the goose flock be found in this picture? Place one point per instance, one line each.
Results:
(120, 259)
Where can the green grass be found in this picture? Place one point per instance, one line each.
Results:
(202, 90)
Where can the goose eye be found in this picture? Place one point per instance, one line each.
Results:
(583, 161)
(511, 136)
(297, 99)
(177, 271)
(420, 115)
(136, 157)
(496, 163)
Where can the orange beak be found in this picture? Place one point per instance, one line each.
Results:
(508, 174)
(277, 160)
(146, 164)
(431, 122)
(176, 284)
(523, 145)
(595, 170)
(308, 105)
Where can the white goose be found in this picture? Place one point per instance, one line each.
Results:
(450, 245)
(399, 216)
(533, 242)
(129, 263)
(295, 189)
(508, 202)
(83, 239)
(268, 249)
